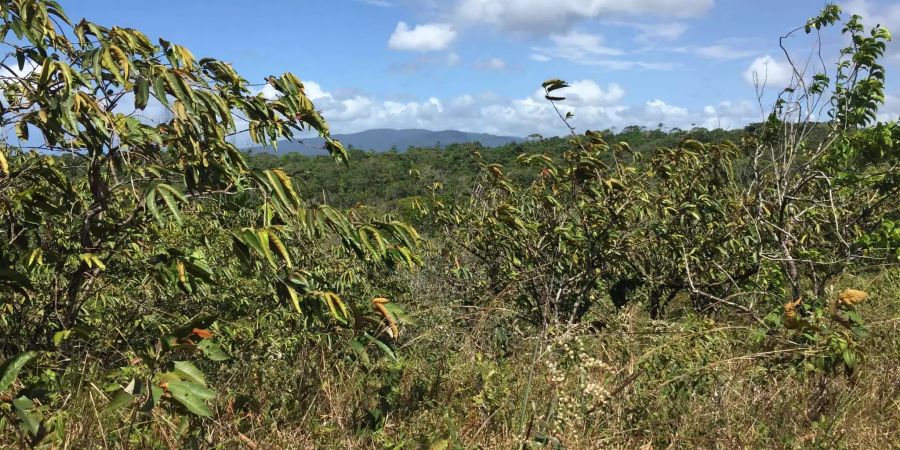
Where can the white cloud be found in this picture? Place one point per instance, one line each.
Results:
(269, 92)
(594, 106)
(542, 16)
(11, 73)
(423, 38)
(574, 45)
(658, 109)
(587, 93)
(766, 71)
(495, 64)
(354, 108)
(729, 115)
(651, 33)
(588, 49)
(314, 91)
(890, 111)
(888, 15)
(721, 52)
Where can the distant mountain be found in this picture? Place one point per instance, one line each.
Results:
(382, 140)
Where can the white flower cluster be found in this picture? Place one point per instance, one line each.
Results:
(578, 381)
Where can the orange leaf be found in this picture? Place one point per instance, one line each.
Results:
(201, 333)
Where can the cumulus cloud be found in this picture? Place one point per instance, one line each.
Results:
(766, 71)
(658, 109)
(423, 38)
(587, 93)
(542, 16)
(890, 110)
(12, 72)
(887, 15)
(269, 92)
(589, 49)
(594, 106)
(727, 115)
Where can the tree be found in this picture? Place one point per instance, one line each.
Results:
(826, 196)
(96, 198)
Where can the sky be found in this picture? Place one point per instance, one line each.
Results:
(477, 65)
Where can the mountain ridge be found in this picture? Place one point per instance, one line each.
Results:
(386, 139)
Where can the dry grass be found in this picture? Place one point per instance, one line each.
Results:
(471, 378)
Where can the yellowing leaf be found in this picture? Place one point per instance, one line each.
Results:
(4, 165)
(852, 297)
(378, 304)
(280, 249)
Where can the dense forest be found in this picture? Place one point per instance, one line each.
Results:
(644, 288)
(384, 179)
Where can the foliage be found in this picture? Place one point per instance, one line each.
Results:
(822, 207)
(108, 215)
(667, 221)
(159, 288)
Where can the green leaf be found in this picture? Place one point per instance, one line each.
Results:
(850, 359)
(212, 350)
(381, 345)
(279, 189)
(151, 206)
(442, 444)
(187, 371)
(360, 351)
(20, 59)
(24, 407)
(155, 394)
(18, 278)
(11, 368)
(60, 336)
(159, 89)
(141, 93)
(22, 129)
(120, 399)
(180, 89)
(169, 195)
(192, 396)
(551, 82)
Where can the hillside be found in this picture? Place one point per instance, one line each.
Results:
(384, 139)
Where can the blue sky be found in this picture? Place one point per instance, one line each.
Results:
(475, 65)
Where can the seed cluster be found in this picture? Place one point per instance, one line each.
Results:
(578, 380)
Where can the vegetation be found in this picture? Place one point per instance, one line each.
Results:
(161, 289)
